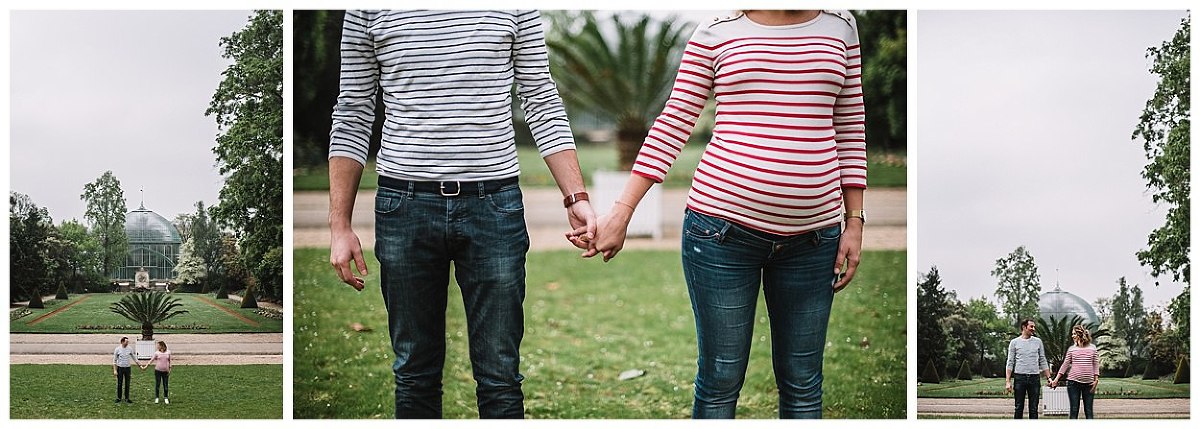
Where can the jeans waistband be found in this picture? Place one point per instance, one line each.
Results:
(447, 188)
(1034, 376)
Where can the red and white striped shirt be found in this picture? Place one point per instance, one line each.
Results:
(789, 132)
(1081, 364)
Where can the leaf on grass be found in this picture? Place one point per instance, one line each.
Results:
(359, 327)
(552, 286)
(630, 374)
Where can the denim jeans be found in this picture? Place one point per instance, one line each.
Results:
(1076, 390)
(417, 237)
(724, 264)
(1026, 385)
(162, 378)
(124, 378)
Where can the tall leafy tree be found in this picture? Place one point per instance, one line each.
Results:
(106, 212)
(316, 36)
(622, 70)
(1018, 284)
(190, 269)
(248, 106)
(932, 306)
(1129, 318)
(30, 226)
(1165, 129)
(84, 254)
(994, 331)
(884, 37)
(206, 244)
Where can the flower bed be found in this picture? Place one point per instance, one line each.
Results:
(187, 327)
(19, 313)
(269, 313)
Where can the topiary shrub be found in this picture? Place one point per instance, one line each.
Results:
(35, 300)
(1151, 371)
(62, 293)
(964, 371)
(930, 374)
(1183, 372)
(248, 300)
(222, 293)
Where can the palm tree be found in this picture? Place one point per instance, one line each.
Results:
(147, 308)
(1056, 337)
(623, 72)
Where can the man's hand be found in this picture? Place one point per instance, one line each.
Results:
(849, 251)
(582, 219)
(344, 247)
(1053, 384)
(1008, 386)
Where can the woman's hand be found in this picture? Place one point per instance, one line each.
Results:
(610, 236)
(849, 251)
(1095, 384)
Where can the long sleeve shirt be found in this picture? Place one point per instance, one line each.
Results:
(790, 122)
(1026, 356)
(447, 79)
(123, 356)
(1082, 364)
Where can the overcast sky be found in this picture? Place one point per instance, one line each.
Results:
(116, 90)
(1024, 133)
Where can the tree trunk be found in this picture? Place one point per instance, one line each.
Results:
(629, 142)
(147, 331)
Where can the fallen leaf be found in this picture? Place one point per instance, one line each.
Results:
(358, 327)
(630, 374)
(552, 286)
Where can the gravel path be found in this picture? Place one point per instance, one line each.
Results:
(195, 349)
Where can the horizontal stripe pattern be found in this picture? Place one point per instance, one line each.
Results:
(447, 80)
(790, 127)
(1081, 364)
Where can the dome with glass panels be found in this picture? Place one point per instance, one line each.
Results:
(1060, 304)
(153, 246)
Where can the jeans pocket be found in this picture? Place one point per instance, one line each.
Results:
(703, 227)
(830, 234)
(506, 201)
(389, 201)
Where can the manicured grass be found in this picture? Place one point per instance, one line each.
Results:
(95, 311)
(884, 170)
(1110, 388)
(197, 392)
(585, 323)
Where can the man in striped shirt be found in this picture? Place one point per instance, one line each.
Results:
(1026, 360)
(122, 362)
(448, 188)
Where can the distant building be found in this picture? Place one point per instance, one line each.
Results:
(1060, 304)
(153, 245)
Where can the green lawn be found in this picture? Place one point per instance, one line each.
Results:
(197, 392)
(1126, 388)
(586, 322)
(884, 170)
(95, 311)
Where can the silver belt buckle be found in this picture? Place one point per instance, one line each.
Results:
(442, 189)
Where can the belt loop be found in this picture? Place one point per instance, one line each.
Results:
(482, 188)
(411, 188)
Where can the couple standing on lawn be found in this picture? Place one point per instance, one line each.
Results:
(1027, 359)
(777, 199)
(123, 361)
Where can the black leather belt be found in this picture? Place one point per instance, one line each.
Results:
(446, 189)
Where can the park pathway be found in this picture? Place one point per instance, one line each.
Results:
(1173, 408)
(188, 349)
(886, 225)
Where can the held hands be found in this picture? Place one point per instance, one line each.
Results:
(1053, 384)
(608, 234)
(343, 248)
(849, 251)
(583, 226)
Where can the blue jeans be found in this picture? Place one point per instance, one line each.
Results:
(724, 264)
(1077, 391)
(417, 236)
(1026, 386)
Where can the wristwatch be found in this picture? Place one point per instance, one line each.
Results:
(574, 198)
(860, 214)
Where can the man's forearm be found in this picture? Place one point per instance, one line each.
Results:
(564, 166)
(344, 175)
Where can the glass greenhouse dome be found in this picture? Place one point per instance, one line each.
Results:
(1060, 304)
(153, 245)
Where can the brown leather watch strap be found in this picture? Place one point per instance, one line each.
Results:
(574, 198)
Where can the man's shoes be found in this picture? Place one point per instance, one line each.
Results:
(167, 401)
(128, 401)
(118, 401)
(155, 400)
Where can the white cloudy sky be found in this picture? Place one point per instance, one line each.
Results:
(1024, 138)
(116, 90)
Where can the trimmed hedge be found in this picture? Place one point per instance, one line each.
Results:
(1183, 372)
(930, 374)
(964, 371)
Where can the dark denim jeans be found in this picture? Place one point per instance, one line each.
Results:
(1026, 385)
(1076, 390)
(417, 236)
(162, 378)
(124, 378)
(724, 264)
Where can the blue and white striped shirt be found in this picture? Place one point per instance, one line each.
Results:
(447, 79)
